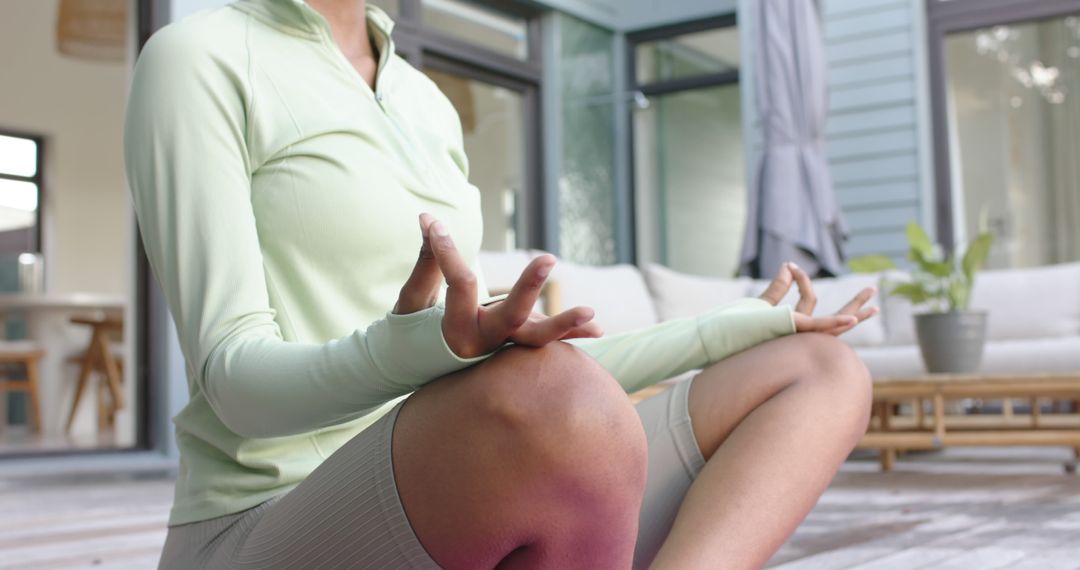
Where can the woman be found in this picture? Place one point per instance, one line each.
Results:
(344, 415)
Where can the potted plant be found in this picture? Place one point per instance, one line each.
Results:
(951, 336)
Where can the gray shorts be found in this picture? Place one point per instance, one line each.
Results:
(347, 513)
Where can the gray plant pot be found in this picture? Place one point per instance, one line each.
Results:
(951, 342)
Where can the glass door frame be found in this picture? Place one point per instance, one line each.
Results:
(944, 17)
(422, 46)
(642, 91)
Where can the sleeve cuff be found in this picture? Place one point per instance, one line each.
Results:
(416, 348)
(733, 328)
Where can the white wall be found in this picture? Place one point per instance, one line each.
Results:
(78, 106)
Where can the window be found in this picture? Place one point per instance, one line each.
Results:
(483, 56)
(491, 29)
(20, 193)
(69, 295)
(689, 189)
(1007, 127)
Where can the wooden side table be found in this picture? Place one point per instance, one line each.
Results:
(892, 433)
(99, 358)
(29, 356)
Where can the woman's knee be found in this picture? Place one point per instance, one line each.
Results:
(834, 364)
(565, 411)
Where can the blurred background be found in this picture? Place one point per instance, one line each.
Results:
(609, 132)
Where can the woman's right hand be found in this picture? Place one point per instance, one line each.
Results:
(470, 329)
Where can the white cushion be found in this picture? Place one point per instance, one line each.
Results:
(1037, 302)
(832, 295)
(897, 312)
(501, 269)
(1050, 355)
(616, 292)
(892, 360)
(683, 295)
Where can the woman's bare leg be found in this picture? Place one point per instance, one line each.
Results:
(774, 422)
(534, 458)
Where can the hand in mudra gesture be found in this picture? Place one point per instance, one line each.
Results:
(470, 329)
(844, 320)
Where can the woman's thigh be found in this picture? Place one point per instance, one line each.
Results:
(725, 393)
(532, 445)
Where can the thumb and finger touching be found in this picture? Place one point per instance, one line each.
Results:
(471, 330)
(421, 289)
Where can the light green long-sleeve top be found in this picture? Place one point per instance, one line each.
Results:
(277, 196)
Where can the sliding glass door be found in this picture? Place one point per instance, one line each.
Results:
(689, 173)
(1010, 80)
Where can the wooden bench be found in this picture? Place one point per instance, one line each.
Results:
(890, 433)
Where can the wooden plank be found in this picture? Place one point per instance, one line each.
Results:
(869, 121)
(877, 242)
(986, 558)
(881, 217)
(864, 49)
(845, 75)
(900, 166)
(845, 149)
(931, 440)
(888, 19)
(870, 194)
(894, 92)
(835, 9)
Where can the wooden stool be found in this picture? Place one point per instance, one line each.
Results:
(28, 355)
(99, 357)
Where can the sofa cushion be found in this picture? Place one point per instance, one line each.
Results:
(683, 295)
(896, 312)
(616, 292)
(1037, 302)
(1050, 355)
(501, 269)
(889, 360)
(834, 293)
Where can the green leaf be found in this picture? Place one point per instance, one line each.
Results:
(959, 294)
(937, 268)
(976, 255)
(871, 264)
(913, 292)
(921, 246)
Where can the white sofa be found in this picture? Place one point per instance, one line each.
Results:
(1034, 323)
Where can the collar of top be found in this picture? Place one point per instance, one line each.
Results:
(298, 17)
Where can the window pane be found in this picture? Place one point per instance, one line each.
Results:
(388, 6)
(18, 204)
(587, 176)
(18, 156)
(699, 53)
(493, 124)
(691, 193)
(1015, 119)
(478, 25)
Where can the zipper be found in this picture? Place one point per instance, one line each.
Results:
(379, 95)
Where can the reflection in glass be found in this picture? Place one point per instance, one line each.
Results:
(493, 124)
(18, 205)
(388, 6)
(700, 53)
(1014, 100)
(478, 25)
(66, 76)
(18, 156)
(587, 176)
(689, 173)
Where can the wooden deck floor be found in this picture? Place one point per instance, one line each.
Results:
(980, 509)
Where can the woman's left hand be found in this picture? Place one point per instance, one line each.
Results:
(844, 320)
